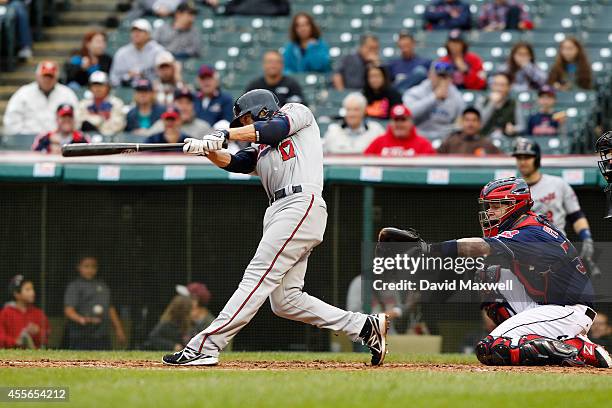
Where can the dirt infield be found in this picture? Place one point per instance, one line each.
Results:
(294, 365)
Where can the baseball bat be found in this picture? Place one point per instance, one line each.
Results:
(100, 149)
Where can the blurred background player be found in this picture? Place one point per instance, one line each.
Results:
(554, 198)
(21, 323)
(90, 312)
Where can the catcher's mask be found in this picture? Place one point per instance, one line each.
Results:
(501, 202)
(261, 104)
(603, 146)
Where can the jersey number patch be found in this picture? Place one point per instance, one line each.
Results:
(287, 150)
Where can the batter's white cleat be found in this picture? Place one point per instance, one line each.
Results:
(374, 335)
(189, 357)
(603, 357)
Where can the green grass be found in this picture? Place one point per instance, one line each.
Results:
(201, 387)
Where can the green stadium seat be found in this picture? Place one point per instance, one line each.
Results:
(598, 38)
(17, 142)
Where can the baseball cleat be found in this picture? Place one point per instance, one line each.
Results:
(189, 357)
(603, 357)
(374, 335)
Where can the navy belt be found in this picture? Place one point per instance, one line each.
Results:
(282, 193)
(590, 313)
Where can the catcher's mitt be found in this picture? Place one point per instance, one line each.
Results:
(390, 234)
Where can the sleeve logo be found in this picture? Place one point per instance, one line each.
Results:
(508, 234)
(286, 150)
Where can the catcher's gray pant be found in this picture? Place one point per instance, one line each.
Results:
(293, 226)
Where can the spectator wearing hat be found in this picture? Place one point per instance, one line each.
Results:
(499, 15)
(172, 128)
(435, 103)
(32, 108)
(174, 326)
(65, 133)
(90, 58)
(168, 78)
(409, 69)
(546, 122)
(350, 72)
(21, 323)
(378, 91)
(401, 138)
(448, 15)
(468, 72)
(201, 317)
(306, 50)
(468, 140)
(191, 125)
(180, 36)
(102, 113)
(136, 59)
(501, 114)
(355, 132)
(284, 87)
(146, 111)
(213, 105)
(89, 309)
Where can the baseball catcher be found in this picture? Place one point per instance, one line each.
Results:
(554, 293)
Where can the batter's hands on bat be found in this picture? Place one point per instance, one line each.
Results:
(211, 142)
(194, 147)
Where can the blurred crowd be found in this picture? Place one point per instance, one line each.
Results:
(393, 107)
(91, 319)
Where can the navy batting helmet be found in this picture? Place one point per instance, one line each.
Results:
(261, 104)
(526, 147)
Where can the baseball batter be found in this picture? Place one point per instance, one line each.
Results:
(553, 329)
(287, 156)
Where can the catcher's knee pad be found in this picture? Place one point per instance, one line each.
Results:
(498, 311)
(495, 351)
(538, 350)
(531, 350)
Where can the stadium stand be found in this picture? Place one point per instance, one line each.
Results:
(234, 44)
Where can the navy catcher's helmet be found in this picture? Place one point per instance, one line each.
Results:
(526, 147)
(261, 104)
(502, 202)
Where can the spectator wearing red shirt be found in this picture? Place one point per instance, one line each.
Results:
(401, 138)
(468, 73)
(21, 323)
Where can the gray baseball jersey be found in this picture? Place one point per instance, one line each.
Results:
(554, 198)
(292, 227)
(298, 160)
